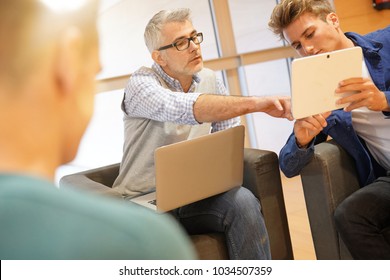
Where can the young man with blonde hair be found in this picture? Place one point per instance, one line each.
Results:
(362, 128)
(48, 62)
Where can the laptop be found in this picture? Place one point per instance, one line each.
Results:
(196, 169)
(314, 80)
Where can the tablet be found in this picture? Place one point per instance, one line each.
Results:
(314, 80)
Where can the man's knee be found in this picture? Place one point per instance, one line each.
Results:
(244, 197)
(244, 205)
(349, 211)
(340, 216)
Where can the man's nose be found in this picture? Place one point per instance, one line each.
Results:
(309, 49)
(193, 45)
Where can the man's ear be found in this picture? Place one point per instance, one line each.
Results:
(158, 57)
(69, 59)
(333, 19)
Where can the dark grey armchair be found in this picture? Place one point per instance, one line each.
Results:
(327, 180)
(261, 176)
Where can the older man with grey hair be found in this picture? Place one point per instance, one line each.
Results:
(177, 97)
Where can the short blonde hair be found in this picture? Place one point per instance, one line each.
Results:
(287, 11)
(28, 26)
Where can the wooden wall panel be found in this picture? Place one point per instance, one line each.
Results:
(360, 16)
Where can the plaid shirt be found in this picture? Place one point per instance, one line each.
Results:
(145, 97)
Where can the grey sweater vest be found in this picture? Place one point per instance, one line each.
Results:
(143, 136)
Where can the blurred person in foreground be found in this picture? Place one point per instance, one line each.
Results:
(48, 62)
(362, 128)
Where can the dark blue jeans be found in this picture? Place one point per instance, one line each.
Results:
(237, 214)
(363, 221)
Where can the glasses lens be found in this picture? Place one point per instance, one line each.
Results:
(199, 38)
(182, 44)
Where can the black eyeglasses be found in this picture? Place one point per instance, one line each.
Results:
(184, 43)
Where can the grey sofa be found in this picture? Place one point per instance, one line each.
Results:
(327, 180)
(261, 176)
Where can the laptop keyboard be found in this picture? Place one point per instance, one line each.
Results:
(154, 202)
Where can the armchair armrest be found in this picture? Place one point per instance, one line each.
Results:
(262, 177)
(327, 180)
(98, 180)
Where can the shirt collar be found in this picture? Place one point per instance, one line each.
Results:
(173, 82)
(367, 44)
